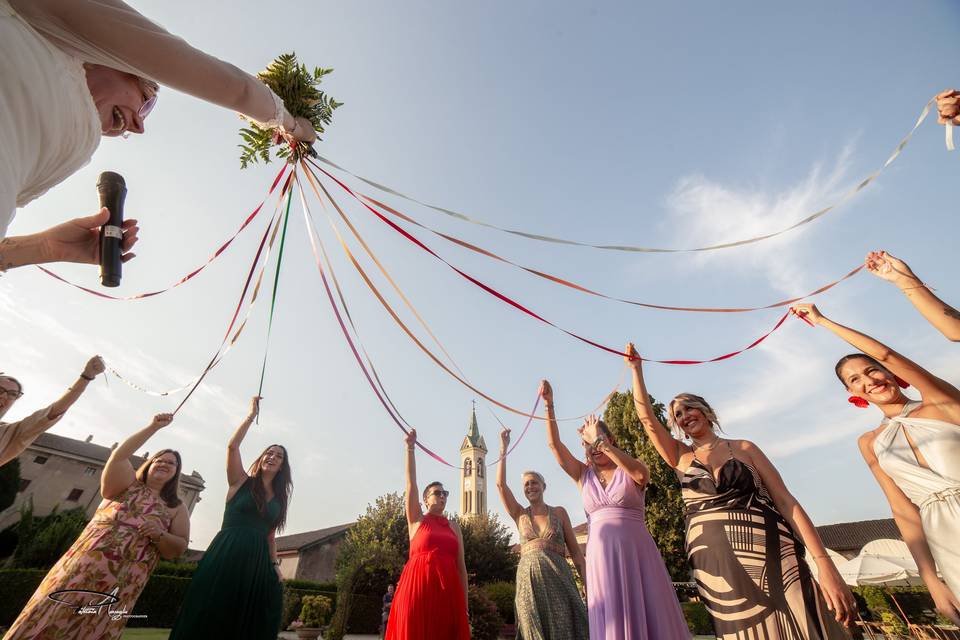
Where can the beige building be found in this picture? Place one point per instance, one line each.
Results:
(311, 555)
(61, 472)
(473, 479)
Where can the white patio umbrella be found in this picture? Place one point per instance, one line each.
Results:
(868, 569)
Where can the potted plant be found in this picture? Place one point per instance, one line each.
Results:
(314, 615)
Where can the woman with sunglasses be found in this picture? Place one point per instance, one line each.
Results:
(76, 70)
(914, 454)
(140, 520)
(431, 596)
(17, 436)
(629, 592)
(236, 591)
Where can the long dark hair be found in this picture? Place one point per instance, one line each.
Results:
(170, 493)
(282, 486)
(853, 356)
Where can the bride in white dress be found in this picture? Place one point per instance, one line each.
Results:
(914, 453)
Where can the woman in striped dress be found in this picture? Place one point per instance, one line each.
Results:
(746, 534)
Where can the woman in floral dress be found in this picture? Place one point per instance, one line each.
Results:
(548, 604)
(90, 592)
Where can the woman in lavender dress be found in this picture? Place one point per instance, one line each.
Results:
(629, 592)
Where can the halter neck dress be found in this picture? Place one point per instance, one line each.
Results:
(935, 490)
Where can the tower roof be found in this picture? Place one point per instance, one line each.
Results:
(473, 439)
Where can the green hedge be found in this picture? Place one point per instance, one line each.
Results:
(698, 619)
(503, 595)
(176, 569)
(16, 587)
(159, 601)
(364, 610)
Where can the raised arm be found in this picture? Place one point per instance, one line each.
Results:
(236, 474)
(413, 508)
(669, 448)
(907, 517)
(113, 34)
(835, 591)
(573, 467)
(941, 315)
(118, 474)
(506, 495)
(596, 439)
(930, 387)
(570, 539)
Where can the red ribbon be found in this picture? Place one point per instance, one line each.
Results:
(520, 307)
(189, 276)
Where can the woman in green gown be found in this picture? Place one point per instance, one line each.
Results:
(548, 604)
(236, 592)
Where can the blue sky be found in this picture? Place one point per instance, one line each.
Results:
(614, 123)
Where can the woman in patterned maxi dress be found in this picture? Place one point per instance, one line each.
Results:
(548, 605)
(91, 590)
(746, 534)
(914, 453)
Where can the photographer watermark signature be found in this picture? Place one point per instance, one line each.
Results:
(98, 601)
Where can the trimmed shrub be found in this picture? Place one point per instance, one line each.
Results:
(16, 587)
(293, 602)
(310, 585)
(315, 611)
(485, 622)
(698, 619)
(503, 595)
(175, 569)
(364, 614)
(159, 601)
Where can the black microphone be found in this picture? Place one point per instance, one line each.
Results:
(113, 191)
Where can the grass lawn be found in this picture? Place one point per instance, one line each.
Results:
(145, 633)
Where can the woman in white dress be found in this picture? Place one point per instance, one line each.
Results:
(72, 71)
(914, 453)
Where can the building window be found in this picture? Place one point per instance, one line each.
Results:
(467, 468)
(480, 468)
(466, 506)
(40, 459)
(74, 495)
(89, 471)
(24, 483)
(480, 503)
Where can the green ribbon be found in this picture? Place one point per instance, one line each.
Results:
(273, 298)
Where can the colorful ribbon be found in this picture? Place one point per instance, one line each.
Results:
(634, 248)
(524, 309)
(396, 318)
(189, 276)
(583, 289)
(273, 296)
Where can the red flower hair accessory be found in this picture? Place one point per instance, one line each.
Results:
(858, 402)
(900, 381)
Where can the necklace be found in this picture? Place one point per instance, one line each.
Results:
(711, 447)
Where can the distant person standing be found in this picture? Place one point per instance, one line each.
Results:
(385, 610)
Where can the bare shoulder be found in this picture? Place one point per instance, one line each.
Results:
(746, 446)
(561, 512)
(454, 524)
(865, 442)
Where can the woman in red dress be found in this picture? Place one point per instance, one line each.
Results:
(431, 598)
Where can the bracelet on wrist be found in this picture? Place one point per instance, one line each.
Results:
(87, 378)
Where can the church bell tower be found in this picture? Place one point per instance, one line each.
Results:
(473, 474)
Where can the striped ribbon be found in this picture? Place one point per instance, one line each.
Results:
(216, 254)
(641, 249)
(531, 313)
(273, 296)
(274, 224)
(583, 289)
(396, 318)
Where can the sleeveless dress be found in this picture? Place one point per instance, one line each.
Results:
(935, 491)
(429, 601)
(109, 557)
(235, 592)
(747, 560)
(629, 592)
(548, 604)
(49, 126)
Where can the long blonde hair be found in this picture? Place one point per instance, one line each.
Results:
(690, 401)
